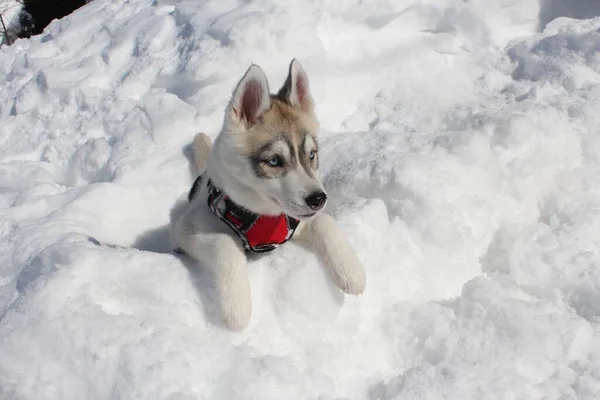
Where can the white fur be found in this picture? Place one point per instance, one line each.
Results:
(207, 239)
(293, 189)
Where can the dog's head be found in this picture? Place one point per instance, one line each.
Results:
(269, 146)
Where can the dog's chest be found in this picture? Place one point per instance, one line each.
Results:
(258, 233)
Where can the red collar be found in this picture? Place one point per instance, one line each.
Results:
(259, 233)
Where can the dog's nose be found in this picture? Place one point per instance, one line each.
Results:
(316, 201)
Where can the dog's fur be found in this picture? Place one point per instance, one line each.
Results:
(258, 128)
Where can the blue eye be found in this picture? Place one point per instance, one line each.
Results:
(312, 154)
(275, 161)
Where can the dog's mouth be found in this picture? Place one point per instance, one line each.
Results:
(303, 216)
(300, 216)
(295, 214)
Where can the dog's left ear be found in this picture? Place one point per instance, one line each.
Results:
(295, 90)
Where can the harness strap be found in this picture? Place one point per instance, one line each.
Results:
(258, 233)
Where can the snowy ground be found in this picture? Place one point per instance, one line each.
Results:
(461, 150)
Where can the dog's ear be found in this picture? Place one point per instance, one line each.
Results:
(295, 90)
(251, 97)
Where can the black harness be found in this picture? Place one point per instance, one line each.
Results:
(258, 233)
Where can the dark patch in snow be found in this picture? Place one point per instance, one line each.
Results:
(578, 9)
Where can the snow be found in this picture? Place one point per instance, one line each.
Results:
(460, 150)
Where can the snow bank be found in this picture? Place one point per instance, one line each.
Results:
(460, 151)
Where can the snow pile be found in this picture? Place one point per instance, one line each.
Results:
(460, 148)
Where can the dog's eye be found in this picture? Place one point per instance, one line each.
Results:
(312, 154)
(275, 161)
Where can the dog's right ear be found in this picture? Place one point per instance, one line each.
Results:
(251, 97)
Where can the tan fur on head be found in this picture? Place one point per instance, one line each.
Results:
(288, 125)
(201, 148)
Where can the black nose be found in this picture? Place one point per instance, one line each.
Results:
(316, 201)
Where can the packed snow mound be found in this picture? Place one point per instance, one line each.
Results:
(460, 150)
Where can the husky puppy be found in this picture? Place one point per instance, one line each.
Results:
(259, 186)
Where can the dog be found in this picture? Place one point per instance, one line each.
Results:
(258, 187)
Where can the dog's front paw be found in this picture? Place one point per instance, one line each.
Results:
(349, 276)
(235, 302)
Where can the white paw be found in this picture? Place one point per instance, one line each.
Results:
(235, 302)
(350, 276)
